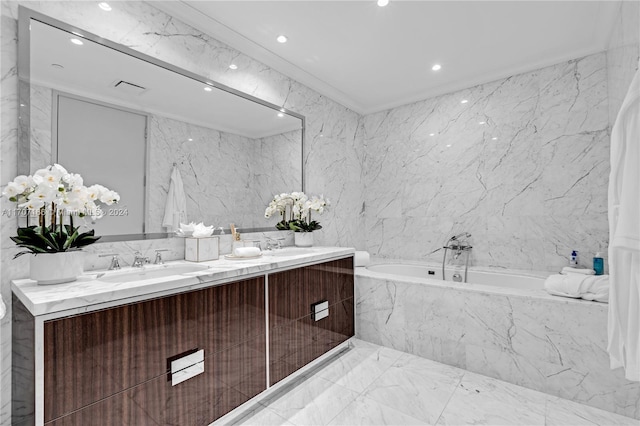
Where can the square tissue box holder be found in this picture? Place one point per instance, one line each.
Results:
(201, 249)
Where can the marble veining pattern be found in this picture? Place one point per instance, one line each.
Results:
(529, 338)
(90, 290)
(523, 166)
(433, 393)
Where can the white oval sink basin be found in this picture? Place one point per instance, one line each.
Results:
(150, 272)
(288, 251)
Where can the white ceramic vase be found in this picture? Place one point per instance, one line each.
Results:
(303, 239)
(56, 268)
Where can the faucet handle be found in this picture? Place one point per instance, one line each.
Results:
(158, 260)
(115, 261)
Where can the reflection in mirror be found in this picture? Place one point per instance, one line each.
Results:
(88, 103)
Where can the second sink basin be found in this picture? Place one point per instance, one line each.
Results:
(150, 272)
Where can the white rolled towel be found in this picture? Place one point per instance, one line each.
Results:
(584, 271)
(589, 287)
(361, 258)
(246, 251)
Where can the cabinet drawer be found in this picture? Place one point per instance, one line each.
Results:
(152, 403)
(233, 313)
(92, 356)
(294, 344)
(291, 293)
(234, 376)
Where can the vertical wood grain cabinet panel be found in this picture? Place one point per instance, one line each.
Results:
(234, 338)
(154, 402)
(233, 313)
(295, 339)
(92, 356)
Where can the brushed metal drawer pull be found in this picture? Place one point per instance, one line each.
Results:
(320, 310)
(187, 367)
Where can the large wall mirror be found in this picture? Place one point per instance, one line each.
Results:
(126, 120)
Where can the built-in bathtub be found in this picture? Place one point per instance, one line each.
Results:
(500, 323)
(496, 278)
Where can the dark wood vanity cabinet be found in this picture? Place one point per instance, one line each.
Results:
(295, 337)
(92, 356)
(116, 362)
(112, 366)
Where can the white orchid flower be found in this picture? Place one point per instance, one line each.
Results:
(32, 204)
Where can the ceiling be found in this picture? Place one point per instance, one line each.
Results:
(372, 58)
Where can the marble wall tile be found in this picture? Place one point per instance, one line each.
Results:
(524, 149)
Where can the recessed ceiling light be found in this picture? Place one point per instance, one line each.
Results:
(76, 41)
(436, 67)
(432, 134)
(282, 39)
(449, 146)
(383, 3)
(233, 66)
(190, 139)
(105, 6)
(207, 89)
(280, 115)
(494, 138)
(482, 122)
(464, 101)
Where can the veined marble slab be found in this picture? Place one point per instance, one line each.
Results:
(89, 290)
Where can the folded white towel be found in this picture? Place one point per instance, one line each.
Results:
(570, 270)
(246, 251)
(361, 258)
(589, 287)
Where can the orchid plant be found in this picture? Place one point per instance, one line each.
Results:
(52, 195)
(295, 210)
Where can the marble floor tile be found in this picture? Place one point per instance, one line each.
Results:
(560, 412)
(366, 411)
(315, 401)
(372, 385)
(416, 386)
(257, 415)
(483, 400)
(358, 367)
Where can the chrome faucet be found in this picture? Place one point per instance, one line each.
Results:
(139, 261)
(115, 262)
(158, 260)
(459, 244)
(274, 243)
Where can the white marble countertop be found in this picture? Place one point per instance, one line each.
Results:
(89, 290)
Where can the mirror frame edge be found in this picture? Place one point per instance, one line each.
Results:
(24, 98)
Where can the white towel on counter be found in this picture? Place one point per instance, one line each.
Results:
(588, 287)
(175, 210)
(624, 236)
(570, 270)
(246, 252)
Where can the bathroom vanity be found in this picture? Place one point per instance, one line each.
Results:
(179, 349)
